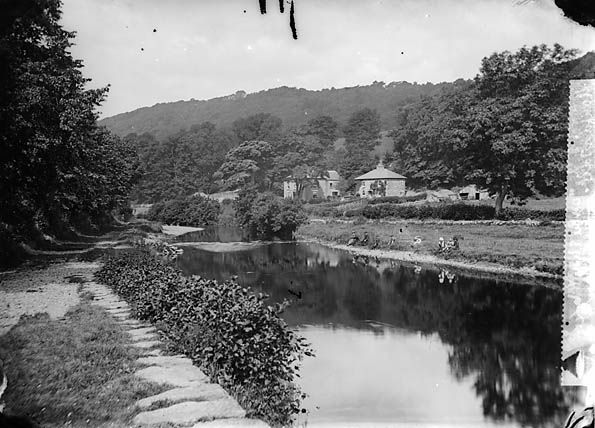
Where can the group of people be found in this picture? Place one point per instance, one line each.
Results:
(443, 245)
(354, 240)
(448, 246)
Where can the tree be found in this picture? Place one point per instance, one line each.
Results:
(248, 163)
(261, 126)
(361, 134)
(323, 127)
(362, 131)
(518, 124)
(266, 216)
(55, 167)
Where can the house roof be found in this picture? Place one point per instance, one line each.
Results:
(333, 175)
(380, 173)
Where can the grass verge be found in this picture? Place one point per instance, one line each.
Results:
(540, 247)
(77, 371)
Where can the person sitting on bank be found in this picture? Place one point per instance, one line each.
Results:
(365, 239)
(353, 240)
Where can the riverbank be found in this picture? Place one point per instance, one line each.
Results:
(74, 355)
(521, 252)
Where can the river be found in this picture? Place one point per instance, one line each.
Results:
(400, 346)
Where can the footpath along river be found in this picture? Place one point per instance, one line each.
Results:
(399, 346)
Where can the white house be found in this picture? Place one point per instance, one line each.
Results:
(381, 182)
(327, 187)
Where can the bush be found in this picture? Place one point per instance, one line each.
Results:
(192, 211)
(265, 216)
(229, 331)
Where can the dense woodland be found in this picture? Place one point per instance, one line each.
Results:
(504, 131)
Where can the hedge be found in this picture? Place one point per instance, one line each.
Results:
(229, 331)
(457, 211)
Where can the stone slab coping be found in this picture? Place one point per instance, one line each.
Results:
(190, 412)
(202, 392)
(177, 376)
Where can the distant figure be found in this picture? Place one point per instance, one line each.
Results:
(392, 241)
(441, 244)
(417, 269)
(416, 241)
(365, 239)
(376, 244)
(353, 240)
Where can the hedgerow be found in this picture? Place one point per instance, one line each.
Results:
(226, 329)
(457, 211)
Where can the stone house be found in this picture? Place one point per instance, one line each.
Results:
(320, 188)
(381, 182)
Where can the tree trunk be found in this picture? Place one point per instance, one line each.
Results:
(500, 199)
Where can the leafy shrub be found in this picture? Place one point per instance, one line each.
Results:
(265, 215)
(228, 330)
(192, 211)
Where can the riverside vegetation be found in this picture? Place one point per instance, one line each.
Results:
(240, 341)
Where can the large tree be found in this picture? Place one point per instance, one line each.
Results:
(518, 125)
(247, 164)
(55, 163)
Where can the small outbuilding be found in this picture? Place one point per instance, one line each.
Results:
(472, 192)
(381, 182)
(441, 195)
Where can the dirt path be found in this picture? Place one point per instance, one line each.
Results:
(52, 289)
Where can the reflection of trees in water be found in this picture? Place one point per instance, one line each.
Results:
(505, 336)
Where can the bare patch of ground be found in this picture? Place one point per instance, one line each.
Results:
(52, 290)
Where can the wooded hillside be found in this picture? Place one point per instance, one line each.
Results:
(293, 106)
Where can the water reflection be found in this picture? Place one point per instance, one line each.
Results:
(388, 332)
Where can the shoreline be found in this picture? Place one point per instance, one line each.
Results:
(478, 269)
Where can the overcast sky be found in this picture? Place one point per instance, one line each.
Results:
(208, 48)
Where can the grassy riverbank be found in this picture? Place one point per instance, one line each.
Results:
(76, 371)
(529, 250)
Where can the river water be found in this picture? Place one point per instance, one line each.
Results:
(400, 346)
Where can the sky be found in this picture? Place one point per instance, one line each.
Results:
(154, 51)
